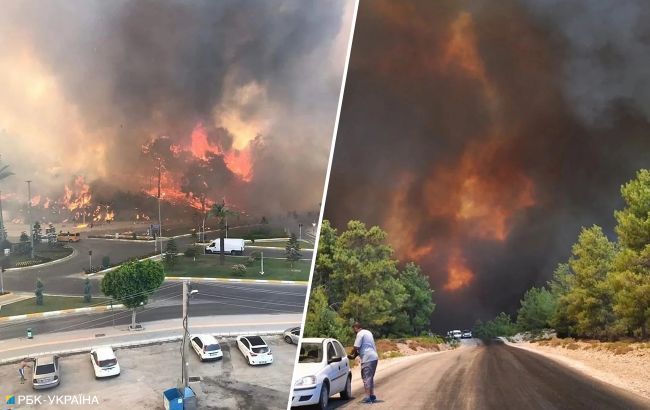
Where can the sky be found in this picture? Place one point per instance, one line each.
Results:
(242, 94)
(483, 135)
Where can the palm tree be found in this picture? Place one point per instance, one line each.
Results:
(4, 173)
(221, 212)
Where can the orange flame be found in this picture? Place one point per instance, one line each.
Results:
(459, 275)
(77, 197)
(239, 162)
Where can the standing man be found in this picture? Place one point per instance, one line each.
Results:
(21, 370)
(364, 346)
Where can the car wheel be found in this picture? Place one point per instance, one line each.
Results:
(323, 401)
(288, 339)
(346, 394)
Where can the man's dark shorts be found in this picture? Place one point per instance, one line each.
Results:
(368, 370)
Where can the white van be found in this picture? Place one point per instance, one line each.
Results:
(232, 246)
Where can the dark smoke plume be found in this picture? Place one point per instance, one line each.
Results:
(89, 83)
(484, 135)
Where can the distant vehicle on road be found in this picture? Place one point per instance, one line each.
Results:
(467, 334)
(292, 335)
(207, 347)
(232, 246)
(46, 372)
(255, 350)
(68, 237)
(323, 370)
(456, 334)
(104, 362)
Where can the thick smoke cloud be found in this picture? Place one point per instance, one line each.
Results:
(261, 77)
(483, 136)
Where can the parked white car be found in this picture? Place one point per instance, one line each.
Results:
(255, 350)
(206, 346)
(456, 334)
(323, 370)
(104, 362)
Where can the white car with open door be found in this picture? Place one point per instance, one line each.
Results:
(206, 346)
(104, 362)
(255, 350)
(323, 370)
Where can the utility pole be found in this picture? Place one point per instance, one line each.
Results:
(29, 217)
(185, 353)
(159, 217)
(2, 223)
(300, 232)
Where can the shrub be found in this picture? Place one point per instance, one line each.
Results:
(106, 261)
(190, 252)
(239, 269)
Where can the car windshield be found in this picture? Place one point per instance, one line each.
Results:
(107, 362)
(45, 369)
(311, 353)
(212, 348)
(260, 350)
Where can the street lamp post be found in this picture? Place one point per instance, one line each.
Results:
(262, 263)
(300, 232)
(29, 217)
(185, 352)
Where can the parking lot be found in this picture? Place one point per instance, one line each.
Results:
(147, 371)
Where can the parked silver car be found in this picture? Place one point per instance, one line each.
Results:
(46, 372)
(292, 335)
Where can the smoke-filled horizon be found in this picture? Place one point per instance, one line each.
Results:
(234, 99)
(483, 136)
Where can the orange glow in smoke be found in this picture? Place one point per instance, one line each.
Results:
(238, 161)
(77, 196)
(459, 275)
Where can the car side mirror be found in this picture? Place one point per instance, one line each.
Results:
(334, 359)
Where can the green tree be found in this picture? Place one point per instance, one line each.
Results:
(221, 212)
(365, 270)
(37, 232)
(630, 280)
(169, 258)
(24, 237)
(325, 260)
(87, 291)
(560, 286)
(292, 250)
(323, 321)
(589, 302)
(419, 305)
(633, 221)
(500, 326)
(39, 292)
(132, 283)
(537, 309)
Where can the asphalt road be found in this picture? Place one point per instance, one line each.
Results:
(213, 299)
(67, 278)
(491, 377)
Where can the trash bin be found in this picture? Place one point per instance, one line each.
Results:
(173, 401)
(30, 335)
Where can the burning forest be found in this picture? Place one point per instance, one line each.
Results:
(194, 103)
(490, 134)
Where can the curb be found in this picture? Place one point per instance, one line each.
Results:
(232, 280)
(41, 265)
(60, 312)
(138, 343)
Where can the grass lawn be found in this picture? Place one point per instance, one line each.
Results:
(42, 253)
(50, 303)
(207, 266)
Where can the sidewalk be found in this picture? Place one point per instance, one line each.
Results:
(13, 350)
(12, 297)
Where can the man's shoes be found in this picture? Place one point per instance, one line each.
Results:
(367, 400)
(373, 398)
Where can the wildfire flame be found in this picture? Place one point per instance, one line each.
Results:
(77, 196)
(238, 161)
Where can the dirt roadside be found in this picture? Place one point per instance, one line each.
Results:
(624, 365)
